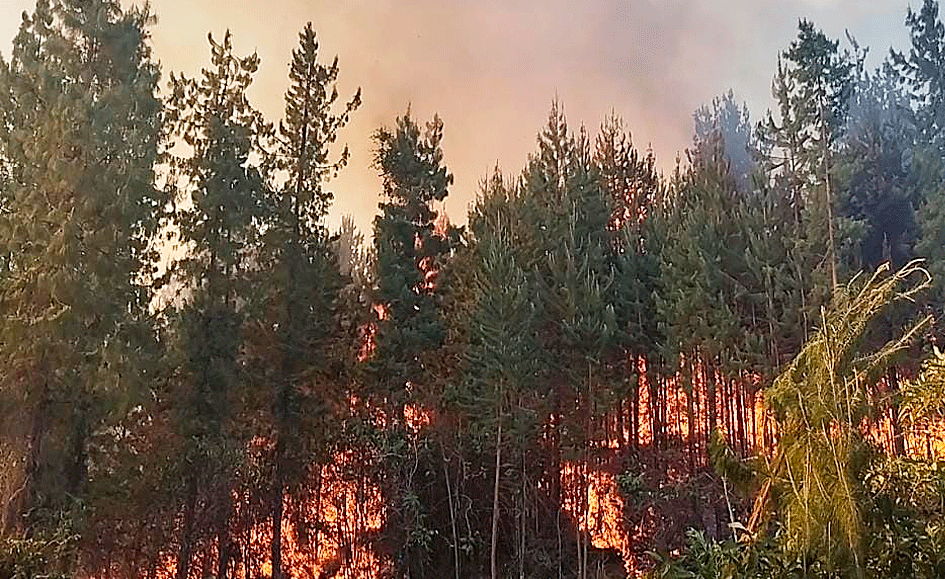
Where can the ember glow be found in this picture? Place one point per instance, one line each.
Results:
(334, 539)
(598, 509)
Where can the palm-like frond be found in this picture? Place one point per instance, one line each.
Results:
(821, 401)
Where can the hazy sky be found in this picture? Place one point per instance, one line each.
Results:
(491, 68)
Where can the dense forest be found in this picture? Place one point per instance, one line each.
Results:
(730, 370)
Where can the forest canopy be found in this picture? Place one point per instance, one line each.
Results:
(728, 370)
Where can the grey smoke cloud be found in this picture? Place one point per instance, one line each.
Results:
(491, 68)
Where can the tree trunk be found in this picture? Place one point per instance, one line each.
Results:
(78, 468)
(276, 505)
(635, 412)
(449, 496)
(226, 552)
(710, 394)
(186, 542)
(899, 442)
(828, 200)
(741, 417)
(495, 498)
(318, 508)
(224, 542)
(691, 419)
(655, 404)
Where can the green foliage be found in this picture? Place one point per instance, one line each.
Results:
(922, 70)
(727, 465)
(841, 510)
(298, 320)
(633, 189)
(597, 324)
(924, 397)
(502, 349)
(46, 555)
(906, 533)
(878, 182)
(821, 400)
(220, 225)
(813, 86)
(310, 128)
(81, 136)
(407, 248)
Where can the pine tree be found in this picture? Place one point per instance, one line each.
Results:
(410, 254)
(568, 245)
(502, 335)
(221, 226)
(696, 304)
(79, 140)
(302, 282)
(813, 86)
(408, 251)
(878, 178)
(923, 71)
(634, 190)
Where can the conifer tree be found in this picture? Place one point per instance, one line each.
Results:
(701, 325)
(813, 86)
(923, 71)
(410, 254)
(566, 217)
(220, 227)
(302, 282)
(502, 335)
(634, 190)
(408, 250)
(79, 140)
(877, 174)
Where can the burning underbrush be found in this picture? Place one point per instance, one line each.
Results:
(418, 502)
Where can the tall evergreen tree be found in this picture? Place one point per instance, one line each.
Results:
(877, 171)
(304, 279)
(80, 139)
(567, 241)
(634, 190)
(410, 253)
(923, 70)
(220, 225)
(813, 86)
(502, 350)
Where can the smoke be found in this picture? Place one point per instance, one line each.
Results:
(730, 121)
(491, 68)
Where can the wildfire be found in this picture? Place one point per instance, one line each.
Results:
(416, 418)
(341, 518)
(368, 333)
(344, 511)
(598, 510)
(350, 510)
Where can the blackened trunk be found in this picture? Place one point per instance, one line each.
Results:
(691, 420)
(495, 500)
(186, 542)
(899, 443)
(79, 464)
(225, 545)
(276, 502)
(710, 394)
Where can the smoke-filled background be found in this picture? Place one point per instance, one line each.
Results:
(490, 68)
(626, 367)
